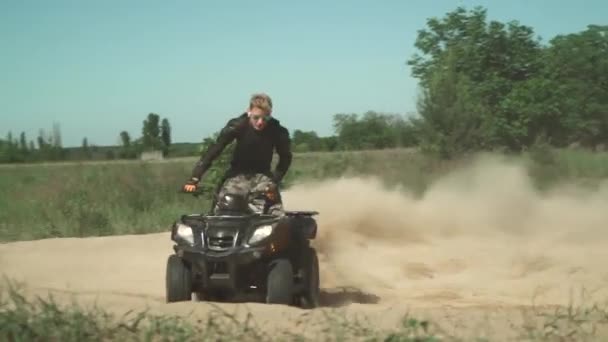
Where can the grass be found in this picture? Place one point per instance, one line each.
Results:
(80, 199)
(46, 319)
(84, 200)
(24, 319)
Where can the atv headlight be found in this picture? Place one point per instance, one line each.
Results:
(183, 232)
(261, 233)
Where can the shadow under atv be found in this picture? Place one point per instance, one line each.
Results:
(329, 297)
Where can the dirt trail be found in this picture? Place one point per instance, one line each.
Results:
(480, 241)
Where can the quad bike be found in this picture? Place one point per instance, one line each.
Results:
(238, 251)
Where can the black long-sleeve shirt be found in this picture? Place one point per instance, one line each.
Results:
(253, 151)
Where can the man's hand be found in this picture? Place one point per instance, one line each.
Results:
(191, 185)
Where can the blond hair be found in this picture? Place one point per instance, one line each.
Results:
(261, 101)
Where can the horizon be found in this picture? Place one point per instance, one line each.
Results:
(97, 71)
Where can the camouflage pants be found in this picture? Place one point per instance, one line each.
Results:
(242, 184)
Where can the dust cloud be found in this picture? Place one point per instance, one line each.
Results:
(481, 235)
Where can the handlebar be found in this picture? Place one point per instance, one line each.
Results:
(201, 189)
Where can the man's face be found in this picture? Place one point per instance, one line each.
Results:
(258, 118)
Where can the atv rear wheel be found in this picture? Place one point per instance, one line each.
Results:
(310, 298)
(279, 289)
(178, 280)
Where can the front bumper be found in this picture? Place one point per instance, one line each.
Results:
(231, 269)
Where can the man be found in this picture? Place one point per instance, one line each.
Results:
(257, 136)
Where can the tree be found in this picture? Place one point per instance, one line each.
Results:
(515, 90)
(85, 148)
(42, 140)
(11, 152)
(56, 151)
(126, 150)
(306, 141)
(479, 64)
(451, 120)
(577, 66)
(373, 130)
(23, 143)
(3, 151)
(125, 139)
(151, 132)
(56, 137)
(329, 143)
(484, 52)
(347, 131)
(165, 135)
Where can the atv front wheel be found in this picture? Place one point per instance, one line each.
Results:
(280, 283)
(310, 298)
(178, 280)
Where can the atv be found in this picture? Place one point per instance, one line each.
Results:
(236, 250)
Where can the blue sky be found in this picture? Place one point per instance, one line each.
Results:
(99, 67)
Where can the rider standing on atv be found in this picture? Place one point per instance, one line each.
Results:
(257, 136)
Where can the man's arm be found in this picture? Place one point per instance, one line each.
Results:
(283, 149)
(226, 136)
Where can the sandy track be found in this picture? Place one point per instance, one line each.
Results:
(124, 273)
(479, 246)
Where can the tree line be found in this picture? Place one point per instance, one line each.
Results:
(47, 146)
(155, 136)
(489, 85)
(370, 130)
(485, 85)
